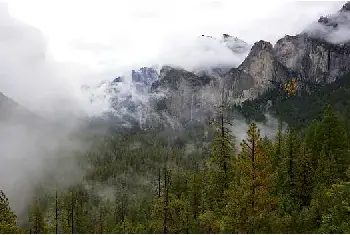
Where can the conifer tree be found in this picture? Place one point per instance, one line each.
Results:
(332, 135)
(7, 217)
(250, 196)
(37, 219)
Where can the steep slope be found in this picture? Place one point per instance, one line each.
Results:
(299, 111)
(321, 53)
(235, 44)
(12, 112)
(315, 56)
(144, 75)
(191, 95)
(254, 75)
(314, 59)
(184, 94)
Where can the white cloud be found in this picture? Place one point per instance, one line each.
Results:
(81, 42)
(71, 43)
(137, 31)
(326, 30)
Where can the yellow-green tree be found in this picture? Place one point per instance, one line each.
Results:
(249, 197)
(7, 217)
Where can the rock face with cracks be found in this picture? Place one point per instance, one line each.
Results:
(310, 56)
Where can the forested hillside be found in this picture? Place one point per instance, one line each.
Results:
(201, 183)
(165, 153)
(300, 109)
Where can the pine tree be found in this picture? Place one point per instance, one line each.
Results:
(332, 135)
(336, 218)
(278, 146)
(37, 219)
(328, 144)
(303, 176)
(222, 149)
(7, 217)
(287, 167)
(250, 196)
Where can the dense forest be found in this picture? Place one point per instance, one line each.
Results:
(301, 109)
(200, 180)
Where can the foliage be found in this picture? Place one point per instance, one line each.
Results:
(7, 217)
(197, 180)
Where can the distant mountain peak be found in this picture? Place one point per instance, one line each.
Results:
(346, 7)
(333, 28)
(144, 75)
(235, 44)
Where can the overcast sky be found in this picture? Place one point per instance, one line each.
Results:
(50, 48)
(115, 33)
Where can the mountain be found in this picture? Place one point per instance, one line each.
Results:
(314, 56)
(14, 113)
(311, 56)
(171, 96)
(253, 76)
(184, 92)
(299, 111)
(186, 96)
(144, 75)
(236, 45)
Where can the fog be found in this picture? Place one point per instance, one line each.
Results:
(334, 29)
(35, 146)
(63, 84)
(202, 52)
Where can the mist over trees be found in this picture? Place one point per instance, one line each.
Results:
(200, 182)
(165, 153)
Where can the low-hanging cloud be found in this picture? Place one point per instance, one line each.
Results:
(42, 143)
(202, 52)
(62, 92)
(334, 28)
(29, 74)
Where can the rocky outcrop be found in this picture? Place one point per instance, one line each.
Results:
(236, 45)
(317, 55)
(314, 56)
(321, 53)
(311, 56)
(238, 85)
(183, 100)
(314, 60)
(144, 76)
(255, 74)
(13, 113)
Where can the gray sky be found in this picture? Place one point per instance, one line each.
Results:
(115, 33)
(50, 48)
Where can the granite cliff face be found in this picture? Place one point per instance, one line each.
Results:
(184, 94)
(321, 53)
(144, 75)
(259, 68)
(313, 59)
(313, 56)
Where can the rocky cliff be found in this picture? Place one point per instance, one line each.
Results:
(313, 59)
(254, 75)
(13, 113)
(313, 56)
(184, 94)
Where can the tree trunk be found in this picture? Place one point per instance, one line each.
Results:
(56, 213)
(159, 179)
(253, 173)
(72, 212)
